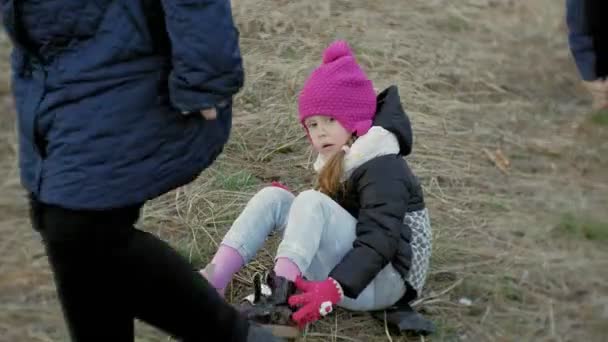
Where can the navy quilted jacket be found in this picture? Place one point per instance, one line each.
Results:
(100, 87)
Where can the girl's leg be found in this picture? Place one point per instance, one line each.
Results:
(319, 232)
(266, 212)
(318, 235)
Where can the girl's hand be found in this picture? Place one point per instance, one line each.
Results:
(280, 185)
(316, 301)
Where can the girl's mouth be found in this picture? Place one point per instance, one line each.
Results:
(327, 145)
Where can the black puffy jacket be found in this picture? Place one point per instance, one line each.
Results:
(379, 193)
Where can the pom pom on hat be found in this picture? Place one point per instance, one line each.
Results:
(336, 50)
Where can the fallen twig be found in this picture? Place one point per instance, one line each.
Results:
(437, 295)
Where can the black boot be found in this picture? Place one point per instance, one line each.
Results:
(270, 306)
(402, 317)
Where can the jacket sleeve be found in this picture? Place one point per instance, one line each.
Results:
(580, 39)
(383, 197)
(206, 61)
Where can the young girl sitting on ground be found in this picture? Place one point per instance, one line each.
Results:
(362, 239)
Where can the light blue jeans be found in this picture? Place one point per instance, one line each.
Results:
(317, 234)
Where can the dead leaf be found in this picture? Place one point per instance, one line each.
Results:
(502, 159)
(499, 160)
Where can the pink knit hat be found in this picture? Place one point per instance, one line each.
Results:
(340, 89)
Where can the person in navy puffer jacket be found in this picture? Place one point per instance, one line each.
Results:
(588, 41)
(119, 102)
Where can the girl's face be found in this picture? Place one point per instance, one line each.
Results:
(327, 134)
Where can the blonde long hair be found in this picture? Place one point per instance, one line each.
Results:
(329, 180)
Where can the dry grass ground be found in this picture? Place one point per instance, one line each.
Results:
(522, 240)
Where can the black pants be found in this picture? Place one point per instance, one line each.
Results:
(596, 12)
(107, 273)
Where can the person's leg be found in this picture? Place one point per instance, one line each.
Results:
(596, 17)
(107, 273)
(385, 290)
(92, 296)
(388, 286)
(318, 235)
(172, 296)
(266, 212)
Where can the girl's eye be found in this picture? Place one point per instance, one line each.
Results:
(332, 119)
(312, 125)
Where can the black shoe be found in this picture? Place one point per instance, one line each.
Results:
(281, 289)
(268, 304)
(404, 318)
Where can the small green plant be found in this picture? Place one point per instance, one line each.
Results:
(238, 181)
(498, 204)
(583, 227)
(290, 53)
(600, 117)
(511, 291)
(445, 331)
(453, 23)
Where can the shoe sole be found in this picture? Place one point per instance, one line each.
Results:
(284, 331)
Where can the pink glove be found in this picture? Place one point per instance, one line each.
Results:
(317, 299)
(280, 185)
